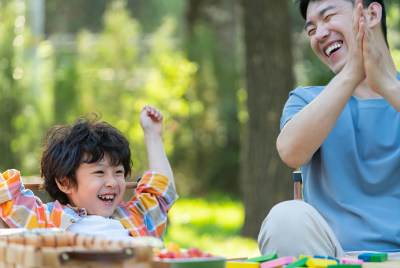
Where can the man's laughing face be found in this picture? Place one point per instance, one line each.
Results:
(329, 26)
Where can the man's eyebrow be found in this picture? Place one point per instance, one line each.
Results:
(320, 14)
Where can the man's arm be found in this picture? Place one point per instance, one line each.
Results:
(306, 131)
(151, 122)
(302, 135)
(392, 93)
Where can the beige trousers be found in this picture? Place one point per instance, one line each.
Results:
(293, 228)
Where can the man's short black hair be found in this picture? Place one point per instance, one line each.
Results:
(303, 5)
(86, 141)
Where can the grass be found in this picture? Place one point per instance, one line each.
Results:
(211, 225)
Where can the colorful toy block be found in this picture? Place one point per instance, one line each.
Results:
(300, 263)
(263, 258)
(332, 258)
(304, 256)
(242, 264)
(278, 262)
(351, 261)
(319, 257)
(373, 257)
(365, 256)
(379, 257)
(319, 263)
(329, 258)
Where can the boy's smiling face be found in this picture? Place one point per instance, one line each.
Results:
(100, 187)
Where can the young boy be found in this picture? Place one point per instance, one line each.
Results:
(84, 167)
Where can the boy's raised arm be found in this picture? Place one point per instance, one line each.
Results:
(151, 123)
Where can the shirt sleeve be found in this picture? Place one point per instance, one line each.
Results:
(297, 101)
(153, 198)
(20, 208)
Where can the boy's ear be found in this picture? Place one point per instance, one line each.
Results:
(374, 14)
(63, 185)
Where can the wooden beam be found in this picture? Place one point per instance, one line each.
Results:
(39, 186)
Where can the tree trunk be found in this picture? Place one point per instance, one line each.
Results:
(265, 179)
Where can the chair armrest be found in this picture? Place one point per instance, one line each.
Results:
(297, 182)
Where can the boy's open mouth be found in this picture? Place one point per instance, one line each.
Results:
(107, 197)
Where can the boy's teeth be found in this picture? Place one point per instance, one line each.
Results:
(106, 197)
(332, 48)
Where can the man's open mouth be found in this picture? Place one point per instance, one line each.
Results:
(333, 48)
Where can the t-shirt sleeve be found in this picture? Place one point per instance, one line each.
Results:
(19, 207)
(298, 99)
(153, 197)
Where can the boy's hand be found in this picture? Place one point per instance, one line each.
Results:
(151, 122)
(151, 119)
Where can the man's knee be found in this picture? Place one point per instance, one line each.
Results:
(283, 223)
(288, 215)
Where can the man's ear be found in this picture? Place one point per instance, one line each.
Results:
(64, 185)
(374, 14)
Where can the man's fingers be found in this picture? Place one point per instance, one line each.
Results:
(357, 14)
(361, 30)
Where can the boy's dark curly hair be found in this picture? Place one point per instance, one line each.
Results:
(303, 5)
(86, 141)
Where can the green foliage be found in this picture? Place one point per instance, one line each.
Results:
(112, 73)
(116, 67)
(151, 13)
(213, 225)
(393, 23)
(12, 34)
(38, 101)
(69, 16)
(121, 69)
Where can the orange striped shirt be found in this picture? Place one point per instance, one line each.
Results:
(144, 215)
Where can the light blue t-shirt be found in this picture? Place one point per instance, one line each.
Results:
(353, 180)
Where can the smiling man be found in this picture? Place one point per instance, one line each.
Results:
(345, 137)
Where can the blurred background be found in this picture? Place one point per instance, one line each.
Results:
(220, 72)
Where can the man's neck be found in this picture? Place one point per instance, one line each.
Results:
(363, 91)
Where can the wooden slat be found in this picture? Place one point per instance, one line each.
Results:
(39, 186)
